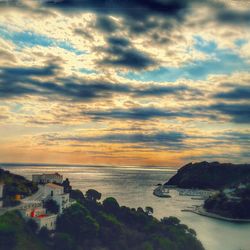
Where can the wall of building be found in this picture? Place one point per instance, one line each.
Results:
(63, 201)
(48, 190)
(1, 195)
(48, 221)
(46, 178)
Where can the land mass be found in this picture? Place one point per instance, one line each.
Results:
(214, 175)
(15, 187)
(91, 224)
(231, 201)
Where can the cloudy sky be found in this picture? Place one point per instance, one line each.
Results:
(153, 82)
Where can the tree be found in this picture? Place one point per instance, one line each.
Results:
(44, 234)
(51, 206)
(172, 221)
(66, 185)
(63, 241)
(77, 195)
(7, 237)
(140, 210)
(32, 225)
(149, 210)
(93, 195)
(78, 223)
(111, 205)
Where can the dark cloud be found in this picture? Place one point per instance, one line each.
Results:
(29, 71)
(239, 112)
(121, 53)
(165, 139)
(136, 9)
(137, 114)
(105, 24)
(130, 58)
(237, 93)
(139, 16)
(118, 41)
(234, 17)
(19, 81)
(241, 138)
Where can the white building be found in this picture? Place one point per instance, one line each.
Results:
(47, 178)
(56, 193)
(39, 215)
(48, 221)
(1, 194)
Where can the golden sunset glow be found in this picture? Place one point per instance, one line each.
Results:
(100, 85)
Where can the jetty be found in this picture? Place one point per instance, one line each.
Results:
(201, 211)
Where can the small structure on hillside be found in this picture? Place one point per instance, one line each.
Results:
(47, 178)
(40, 216)
(51, 188)
(1, 194)
(56, 193)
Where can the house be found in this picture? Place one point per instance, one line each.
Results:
(47, 178)
(1, 194)
(40, 216)
(52, 189)
(56, 193)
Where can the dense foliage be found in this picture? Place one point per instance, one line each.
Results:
(89, 225)
(15, 185)
(210, 175)
(92, 225)
(237, 206)
(16, 234)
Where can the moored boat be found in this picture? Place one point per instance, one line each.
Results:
(160, 191)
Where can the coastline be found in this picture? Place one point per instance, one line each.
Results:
(201, 211)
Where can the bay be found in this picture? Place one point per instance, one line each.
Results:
(133, 187)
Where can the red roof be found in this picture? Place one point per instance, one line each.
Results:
(42, 216)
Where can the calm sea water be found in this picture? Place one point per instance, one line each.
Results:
(133, 187)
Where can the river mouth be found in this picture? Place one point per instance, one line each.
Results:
(134, 187)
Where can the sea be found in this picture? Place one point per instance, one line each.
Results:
(133, 187)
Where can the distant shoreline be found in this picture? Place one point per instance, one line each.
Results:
(201, 211)
(10, 164)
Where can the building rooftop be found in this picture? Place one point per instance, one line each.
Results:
(48, 174)
(52, 185)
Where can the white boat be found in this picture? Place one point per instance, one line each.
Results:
(160, 191)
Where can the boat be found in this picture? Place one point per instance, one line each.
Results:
(160, 191)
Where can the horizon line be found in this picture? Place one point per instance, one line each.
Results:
(16, 164)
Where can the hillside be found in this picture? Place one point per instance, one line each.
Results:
(89, 224)
(15, 184)
(230, 203)
(16, 234)
(212, 175)
(95, 226)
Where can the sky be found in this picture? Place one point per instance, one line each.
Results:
(130, 83)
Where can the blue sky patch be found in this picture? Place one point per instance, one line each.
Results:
(30, 39)
(87, 71)
(240, 42)
(223, 61)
